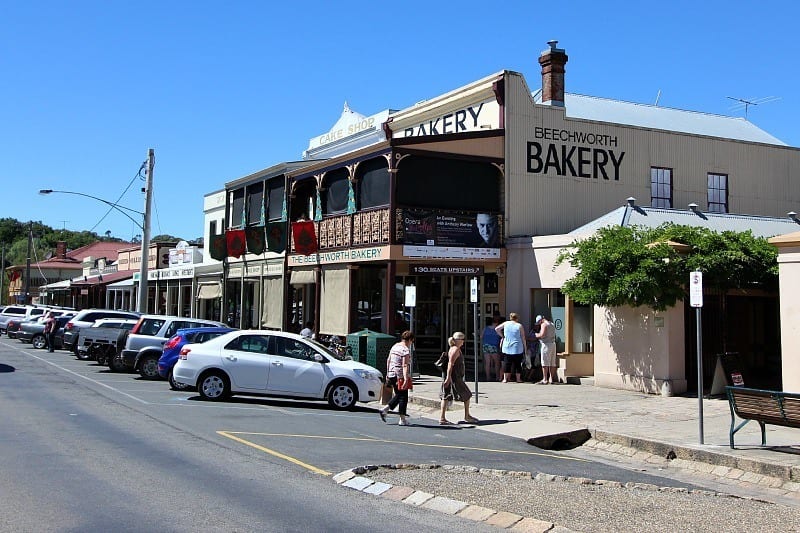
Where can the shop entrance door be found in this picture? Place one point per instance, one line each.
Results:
(458, 311)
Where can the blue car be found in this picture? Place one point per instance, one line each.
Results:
(172, 348)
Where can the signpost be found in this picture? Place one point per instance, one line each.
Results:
(411, 303)
(473, 298)
(696, 301)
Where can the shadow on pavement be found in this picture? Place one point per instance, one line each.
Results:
(6, 368)
(320, 405)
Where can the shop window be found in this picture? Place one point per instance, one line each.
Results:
(551, 304)
(582, 328)
(449, 184)
(661, 187)
(336, 190)
(373, 184)
(236, 215)
(276, 191)
(255, 204)
(718, 193)
(368, 295)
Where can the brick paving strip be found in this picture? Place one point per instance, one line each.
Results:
(355, 479)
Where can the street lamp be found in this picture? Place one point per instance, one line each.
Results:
(141, 304)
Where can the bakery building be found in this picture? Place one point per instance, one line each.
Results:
(573, 159)
(487, 183)
(419, 212)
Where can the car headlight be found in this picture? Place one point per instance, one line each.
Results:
(368, 374)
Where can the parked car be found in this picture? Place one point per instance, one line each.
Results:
(19, 312)
(14, 326)
(102, 340)
(85, 319)
(169, 355)
(146, 341)
(275, 363)
(33, 332)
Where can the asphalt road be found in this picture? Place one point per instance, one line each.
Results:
(86, 449)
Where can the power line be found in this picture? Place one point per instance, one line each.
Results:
(113, 205)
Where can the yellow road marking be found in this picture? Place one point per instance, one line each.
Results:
(387, 441)
(276, 454)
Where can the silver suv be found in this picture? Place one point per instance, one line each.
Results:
(146, 340)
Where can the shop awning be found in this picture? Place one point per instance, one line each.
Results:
(102, 279)
(120, 285)
(209, 291)
(302, 277)
(57, 286)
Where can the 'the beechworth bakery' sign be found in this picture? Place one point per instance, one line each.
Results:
(574, 153)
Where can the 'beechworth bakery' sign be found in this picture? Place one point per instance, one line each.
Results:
(574, 153)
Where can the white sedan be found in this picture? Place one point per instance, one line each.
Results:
(275, 363)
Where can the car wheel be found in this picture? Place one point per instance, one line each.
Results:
(148, 367)
(39, 342)
(342, 395)
(116, 364)
(174, 385)
(214, 386)
(83, 356)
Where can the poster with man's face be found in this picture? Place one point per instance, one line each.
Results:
(431, 228)
(488, 229)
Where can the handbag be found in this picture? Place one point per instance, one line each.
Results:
(442, 361)
(404, 384)
(526, 361)
(386, 392)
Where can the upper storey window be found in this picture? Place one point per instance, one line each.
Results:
(661, 187)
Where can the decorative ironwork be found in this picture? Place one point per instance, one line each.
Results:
(362, 228)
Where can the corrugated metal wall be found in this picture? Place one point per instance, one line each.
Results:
(762, 179)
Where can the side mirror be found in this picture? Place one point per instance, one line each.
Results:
(318, 358)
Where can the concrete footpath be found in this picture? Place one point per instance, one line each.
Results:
(628, 423)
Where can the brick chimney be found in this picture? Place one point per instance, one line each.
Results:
(552, 62)
(61, 250)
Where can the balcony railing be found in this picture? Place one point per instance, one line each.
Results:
(359, 229)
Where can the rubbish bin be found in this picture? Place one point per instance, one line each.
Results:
(357, 342)
(371, 347)
(378, 346)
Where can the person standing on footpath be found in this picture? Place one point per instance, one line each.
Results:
(491, 350)
(50, 331)
(398, 367)
(513, 347)
(453, 386)
(547, 339)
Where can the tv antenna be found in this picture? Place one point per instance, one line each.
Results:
(744, 103)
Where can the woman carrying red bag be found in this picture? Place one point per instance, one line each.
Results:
(398, 372)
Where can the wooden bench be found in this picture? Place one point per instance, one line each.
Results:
(765, 407)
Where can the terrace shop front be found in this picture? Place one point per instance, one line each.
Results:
(351, 290)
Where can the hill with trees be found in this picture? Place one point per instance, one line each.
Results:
(14, 238)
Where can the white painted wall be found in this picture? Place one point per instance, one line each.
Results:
(633, 351)
(789, 272)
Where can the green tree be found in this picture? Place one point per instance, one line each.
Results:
(165, 238)
(637, 266)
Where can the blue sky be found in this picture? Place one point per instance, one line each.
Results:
(223, 89)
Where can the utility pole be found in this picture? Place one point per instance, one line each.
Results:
(27, 294)
(141, 305)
